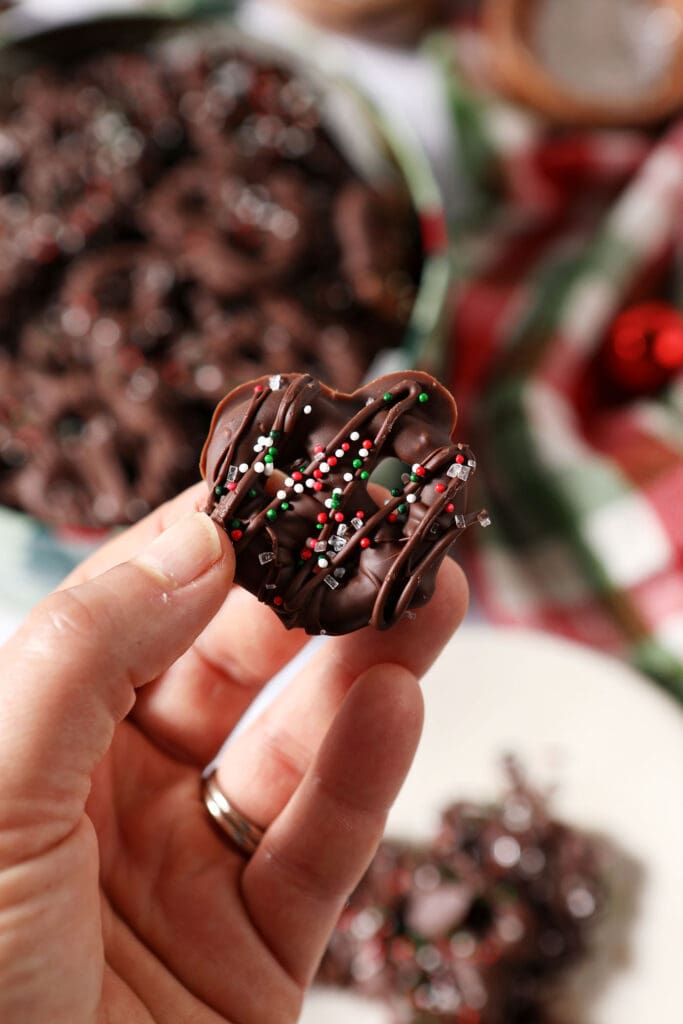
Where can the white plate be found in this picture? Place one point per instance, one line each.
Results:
(612, 744)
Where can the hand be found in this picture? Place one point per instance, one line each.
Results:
(119, 902)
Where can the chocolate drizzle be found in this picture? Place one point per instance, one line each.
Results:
(288, 462)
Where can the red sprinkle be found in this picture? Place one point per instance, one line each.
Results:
(318, 448)
(278, 600)
(258, 389)
(420, 471)
(360, 515)
(322, 517)
(306, 554)
(460, 459)
(332, 461)
(318, 474)
(367, 445)
(339, 517)
(450, 507)
(311, 542)
(345, 446)
(236, 534)
(392, 517)
(318, 485)
(365, 542)
(297, 475)
(232, 486)
(439, 488)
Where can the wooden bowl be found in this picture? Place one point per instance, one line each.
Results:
(522, 74)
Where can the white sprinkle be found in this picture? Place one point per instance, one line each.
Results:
(259, 467)
(289, 482)
(363, 453)
(324, 467)
(298, 488)
(410, 498)
(243, 467)
(323, 563)
(307, 410)
(506, 851)
(269, 468)
(328, 503)
(354, 435)
(275, 382)
(348, 477)
(310, 483)
(340, 453)
(281, 495)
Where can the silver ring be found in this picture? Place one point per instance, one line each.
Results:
(243, 834)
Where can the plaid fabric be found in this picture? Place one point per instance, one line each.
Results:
(563, 230)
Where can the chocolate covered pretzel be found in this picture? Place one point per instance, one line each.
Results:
(172, 223)
(288, 462)
(480, 923)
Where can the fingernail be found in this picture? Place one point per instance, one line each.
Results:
(185, 551)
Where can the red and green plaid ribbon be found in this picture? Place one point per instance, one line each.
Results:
(565, 228)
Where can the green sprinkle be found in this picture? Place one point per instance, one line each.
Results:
(251, 493)
(415, 478)
(219, 491)
(275, 433)
(235, 524)
(402, 508)
(268, 458)
(284, 506)
(272, 451)
(357, 463)
(319, 526)
(365, 475)
(423, 397)
(395, 492)
(271, 514)
(387, 396)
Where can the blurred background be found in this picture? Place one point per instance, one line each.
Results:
(519, 235)
(491, 190)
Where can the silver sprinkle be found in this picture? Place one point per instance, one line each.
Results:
(275, 382)
(232, 474)
(331, 582)
(459, 471)
(265, 557)
(356, 523)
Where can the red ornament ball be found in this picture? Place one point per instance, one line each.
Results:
(645, 347)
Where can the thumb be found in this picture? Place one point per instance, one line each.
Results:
(69, 675)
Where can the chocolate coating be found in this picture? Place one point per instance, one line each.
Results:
(288, 462)
(173, 222)
(481, 923)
